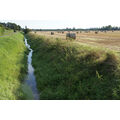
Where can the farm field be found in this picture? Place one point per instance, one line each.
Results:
(47, 66)
(85, 68)
(107, 39)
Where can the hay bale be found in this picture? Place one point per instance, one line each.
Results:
(96, 32)
(71, 35)
(52, 33)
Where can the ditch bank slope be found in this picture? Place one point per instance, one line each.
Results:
(66, 70)
(13, 66)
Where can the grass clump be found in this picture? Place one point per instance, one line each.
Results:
(13, 66)
(67, 70)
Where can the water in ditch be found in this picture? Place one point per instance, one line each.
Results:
(30, 80)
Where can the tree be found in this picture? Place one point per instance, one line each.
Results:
(26, 30)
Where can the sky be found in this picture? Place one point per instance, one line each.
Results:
(50, 14)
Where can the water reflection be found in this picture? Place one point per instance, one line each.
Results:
(30, 79)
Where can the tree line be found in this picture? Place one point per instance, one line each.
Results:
(16, 27)
(104, 28)
(12, 26)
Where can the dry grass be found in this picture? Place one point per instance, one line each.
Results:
(109, 39)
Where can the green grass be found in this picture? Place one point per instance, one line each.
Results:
(5, 32)
(67, 70)
(2, 30)
(13, 66)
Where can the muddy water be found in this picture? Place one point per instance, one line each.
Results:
(30, 79)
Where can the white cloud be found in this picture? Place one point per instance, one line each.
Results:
(87, 12)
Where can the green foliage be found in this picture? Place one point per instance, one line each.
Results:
(26, 30)
(13, 66)
(10, 25)
(67, 70)
(28, 95)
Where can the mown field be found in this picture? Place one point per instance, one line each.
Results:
(109, 39)
(75, 69)
(13, 65)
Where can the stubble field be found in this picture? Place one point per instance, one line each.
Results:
(107, 39)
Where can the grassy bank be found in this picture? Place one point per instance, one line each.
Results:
(5, 32)
(67, 70)
(13, 66)
(2, 30)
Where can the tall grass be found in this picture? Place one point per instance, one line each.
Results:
(2, 30)
(67, 70)
(13, 66)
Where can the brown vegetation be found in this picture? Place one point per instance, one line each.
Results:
(105, 39)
